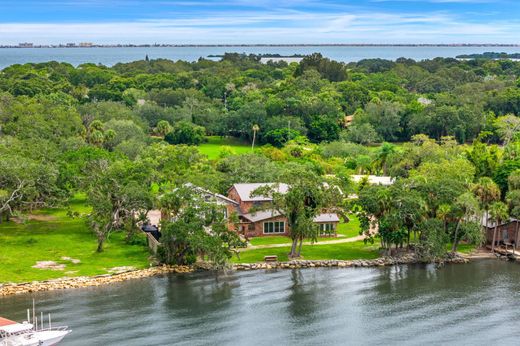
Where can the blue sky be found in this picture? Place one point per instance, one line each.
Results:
(260, 21)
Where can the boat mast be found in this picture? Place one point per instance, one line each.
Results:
(34, 312)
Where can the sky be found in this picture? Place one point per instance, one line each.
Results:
(260, 21)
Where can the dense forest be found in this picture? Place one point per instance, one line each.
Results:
(448, 129)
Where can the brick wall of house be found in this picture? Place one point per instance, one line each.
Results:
(232, 194)
(258, 227)
(245, 206)
(511, 231)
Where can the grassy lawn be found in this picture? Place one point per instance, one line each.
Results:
(351, 228)
(54, 236)
(463, 248)
(214, 144)
(344, 251)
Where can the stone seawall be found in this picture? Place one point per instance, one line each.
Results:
(83, 281)
(379, 262)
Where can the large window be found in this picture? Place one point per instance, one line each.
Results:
(327, 228)
(274, 227)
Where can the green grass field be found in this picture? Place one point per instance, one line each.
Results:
(351, 228)
(55, 235)
(214, 144)
(343, 251)
(463, 248)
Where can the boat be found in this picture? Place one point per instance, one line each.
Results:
(30, 334)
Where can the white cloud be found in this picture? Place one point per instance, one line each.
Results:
(272, 26)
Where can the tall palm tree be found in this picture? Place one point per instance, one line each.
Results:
(487, 192)
(498, 213)
(256, 128)
(163, 128)
(383, 153)
(467, 209)
(443, 213)
(513, 201)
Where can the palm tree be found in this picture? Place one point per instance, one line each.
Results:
(513, 201)
(256, 128)
(382, 156)
(498, 213)
(96, 137)
(467, 208)
(487, 192)
(163, 128)
(442, 213)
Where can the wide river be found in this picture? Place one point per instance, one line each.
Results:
(472, 304)
(111, 56)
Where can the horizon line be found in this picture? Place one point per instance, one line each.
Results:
(93, 44)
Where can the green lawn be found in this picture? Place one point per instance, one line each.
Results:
(343, 251)
(214, 144)
(463, 248)
(351, 228)
(60, 236)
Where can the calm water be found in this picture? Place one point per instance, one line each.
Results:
(473, 304)
(111, 56)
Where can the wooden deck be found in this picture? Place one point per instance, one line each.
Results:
(152, 243)
(501, 250)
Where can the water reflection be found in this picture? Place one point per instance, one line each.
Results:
(402, 305)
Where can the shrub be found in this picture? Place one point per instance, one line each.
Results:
(186, 133)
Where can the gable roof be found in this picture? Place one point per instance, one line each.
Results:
(244, 191)
(208, 194)
(491, 223)
(326, 217)
(261, 215)
(269, 214)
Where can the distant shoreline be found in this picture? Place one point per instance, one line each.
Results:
(69, 46)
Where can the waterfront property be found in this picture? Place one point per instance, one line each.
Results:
(504, 234)
(257, 219)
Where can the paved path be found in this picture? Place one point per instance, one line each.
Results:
(322, 242)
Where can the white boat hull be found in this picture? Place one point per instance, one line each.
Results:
(39, 338)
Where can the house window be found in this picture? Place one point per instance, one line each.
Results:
(274, 227)
(327, 228)
(251, 227)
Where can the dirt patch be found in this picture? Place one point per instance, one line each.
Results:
(33, 217)
(41, 217)
(49, 265)
(117, 270)
(70, 259)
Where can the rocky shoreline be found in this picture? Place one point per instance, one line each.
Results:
(98, 280)
(88, 281)
(378, 262)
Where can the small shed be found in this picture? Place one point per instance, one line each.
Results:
(507, 232)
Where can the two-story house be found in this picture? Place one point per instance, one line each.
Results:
(257, 220)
